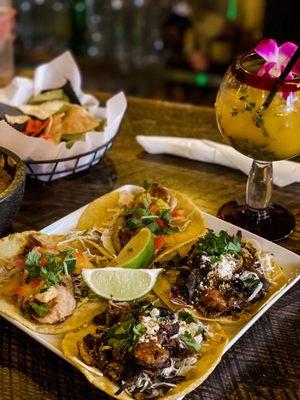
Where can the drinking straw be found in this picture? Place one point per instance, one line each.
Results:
(281, 78)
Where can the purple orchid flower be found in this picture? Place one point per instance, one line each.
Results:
(277, 58)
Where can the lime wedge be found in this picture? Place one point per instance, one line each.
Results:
(120, 284)
(138, 252)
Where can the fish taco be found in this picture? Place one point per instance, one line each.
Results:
(142, 350)
(41, 284)
(219, 277)
(120, 215)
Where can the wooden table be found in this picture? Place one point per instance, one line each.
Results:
(263, 365)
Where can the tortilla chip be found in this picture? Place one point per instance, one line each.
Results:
(211, 354)
(43, 111)
(167, 280)
(16, 119)
(78, 120)
(54, 128)
(49, 95)
(14, 245)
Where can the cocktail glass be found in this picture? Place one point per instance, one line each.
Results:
(265, 135)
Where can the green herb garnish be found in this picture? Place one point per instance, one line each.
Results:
(216, 244)
(124, 336)
(49, 267)
(40, 309)
(251, 282)
(186, 317)
(190, 342)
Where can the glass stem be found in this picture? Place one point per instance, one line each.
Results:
(259, 187)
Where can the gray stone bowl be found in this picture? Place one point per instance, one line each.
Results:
(11, 197)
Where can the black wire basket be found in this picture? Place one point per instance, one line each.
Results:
(56, 168)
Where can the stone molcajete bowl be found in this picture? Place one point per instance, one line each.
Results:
(11, 197)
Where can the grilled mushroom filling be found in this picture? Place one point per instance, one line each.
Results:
(143, 348)
(221, 275)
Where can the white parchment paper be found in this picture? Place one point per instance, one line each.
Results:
(50, 76)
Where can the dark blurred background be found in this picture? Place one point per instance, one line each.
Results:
(166, 49)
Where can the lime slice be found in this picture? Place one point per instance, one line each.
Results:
(138, 252)
(121, 284)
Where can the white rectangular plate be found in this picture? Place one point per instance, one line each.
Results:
(290, 262)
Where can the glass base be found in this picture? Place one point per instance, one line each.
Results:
(275, 223)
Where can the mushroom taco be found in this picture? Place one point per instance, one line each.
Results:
(120, 215)
(41, 285)
(219, 277)
(142, 350)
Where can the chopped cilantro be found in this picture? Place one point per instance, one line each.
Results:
(49, 266)
(251, 282)
(167, 216)
(154, 228)
(124, 336)
(40, 309)
(32, 258)
(213, 244)
(139, 329)
(186, 316)
(190, 342)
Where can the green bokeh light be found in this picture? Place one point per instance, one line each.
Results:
(201, 79)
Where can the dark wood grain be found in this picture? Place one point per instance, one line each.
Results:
(265, 362)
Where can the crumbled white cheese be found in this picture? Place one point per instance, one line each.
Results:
(224, 267)
(154, 313)
(152, 327)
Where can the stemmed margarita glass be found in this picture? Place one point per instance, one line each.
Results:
(264, 127)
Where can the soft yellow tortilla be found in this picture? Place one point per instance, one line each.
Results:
(83, 314)
(167, 280)
(100, 211)
(11, 247)
(211, 353)
(105, 209)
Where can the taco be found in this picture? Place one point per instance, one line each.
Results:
(41, 285)
(91, 242)
(142, 350)
(219, 277)
(120, 215)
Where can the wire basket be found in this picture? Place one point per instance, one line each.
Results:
(66, 166)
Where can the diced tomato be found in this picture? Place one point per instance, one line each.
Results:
(153, 208)
(160, 223)
(46, 136)
(80, 257)
(178, 213)
(159, 242)
(20, 262)
(34, 126)
(35, 283)
(21, 290)
(43, 262)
